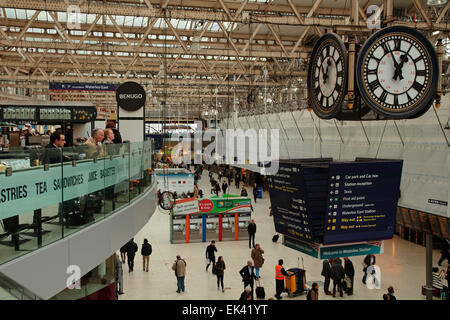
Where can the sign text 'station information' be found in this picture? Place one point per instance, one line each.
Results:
(362, 201)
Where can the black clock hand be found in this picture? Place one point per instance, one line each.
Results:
(393, 59)
(326, 72)
(398, 69)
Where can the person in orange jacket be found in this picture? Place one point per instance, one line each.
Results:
(280, 273)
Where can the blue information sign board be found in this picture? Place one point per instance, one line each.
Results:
(336, 202)
(362, 201)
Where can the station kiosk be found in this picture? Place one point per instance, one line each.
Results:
(211, 228)
(178, 229)
(195, 228)
(186, 224)
(243, 222)
(234, 215)
(228, 231)
(217, 218)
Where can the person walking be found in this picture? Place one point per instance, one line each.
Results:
(119, 274)
(445, 252)
(337, 274)
(217, 188)
(258, 260)
(210, 254)
(132, 248)
(280, 273)
(447, 276)
(248, 276)
(437, 279)
(369, 260)
(146, 251)
(255, 192)
(229, 177)
(224, 187)
(179, 266)
(220, 268)
(349, 274)
(313, 294)
(237, 180)
(251, 229)
(123, 252)
(326, 272)
(390, 294)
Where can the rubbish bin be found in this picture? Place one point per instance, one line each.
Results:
(259, 192)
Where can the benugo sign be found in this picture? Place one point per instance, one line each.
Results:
(130, 96)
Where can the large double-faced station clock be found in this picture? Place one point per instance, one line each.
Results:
(396, 74)
(327, 76)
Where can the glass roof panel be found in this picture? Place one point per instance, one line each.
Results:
(214, 27)
(11, 13)
(61, 16)
(42, 16)
(91, 18)
(128, 21)
(21, 14)
(138, 22)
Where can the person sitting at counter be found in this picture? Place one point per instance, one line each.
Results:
(52, 152)
(95, 144)
(109, 136)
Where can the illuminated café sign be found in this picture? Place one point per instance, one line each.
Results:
(130, 96)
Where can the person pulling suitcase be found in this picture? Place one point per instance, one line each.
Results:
(260, 292)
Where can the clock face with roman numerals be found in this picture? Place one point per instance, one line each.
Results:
(327, 76)
(397, 72)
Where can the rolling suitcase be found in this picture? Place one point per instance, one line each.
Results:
(275, 238)
(260, 293)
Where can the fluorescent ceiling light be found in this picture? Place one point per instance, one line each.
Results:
(436, 3)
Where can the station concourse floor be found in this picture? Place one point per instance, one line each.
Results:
(402, 264)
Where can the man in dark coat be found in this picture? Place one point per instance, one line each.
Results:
(349, 272)
(210, 254)
(132, 248)
(251, 233)
(52, 153)
(146, 251)
(237, 180)
(224, 187)
(255, 192)
(248, 275)
(337, 274)
(326, 272)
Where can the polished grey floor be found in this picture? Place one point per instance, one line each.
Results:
(402, 264)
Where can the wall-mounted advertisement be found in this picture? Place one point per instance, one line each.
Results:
(185, 206)
(224, 205)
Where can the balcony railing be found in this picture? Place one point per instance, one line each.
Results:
(50, 193)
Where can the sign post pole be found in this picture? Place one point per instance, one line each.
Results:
(429, 264)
